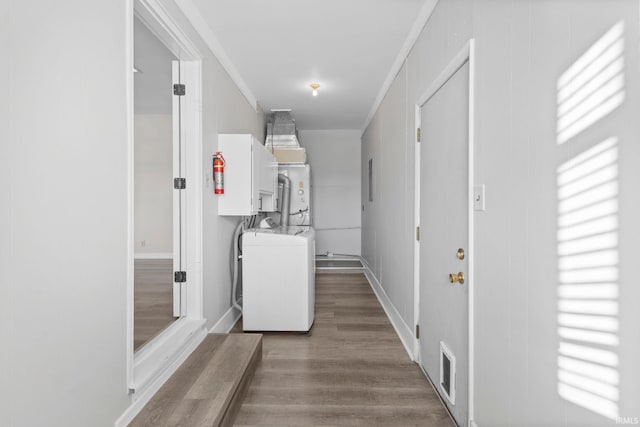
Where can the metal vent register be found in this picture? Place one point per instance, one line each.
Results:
(324, 262)
(447, 373)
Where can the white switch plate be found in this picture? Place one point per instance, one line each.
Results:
(478, 198)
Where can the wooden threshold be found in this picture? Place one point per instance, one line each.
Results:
(210, 386)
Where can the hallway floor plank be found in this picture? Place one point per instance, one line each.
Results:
(351, 371)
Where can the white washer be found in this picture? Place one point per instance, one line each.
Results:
(278, 279)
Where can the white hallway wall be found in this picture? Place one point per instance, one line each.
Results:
(334, 156)
(65, 253)
(63, 215)
(522, 49)
(6, 306)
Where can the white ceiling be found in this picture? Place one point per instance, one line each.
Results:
(153, 88)
(279, 47)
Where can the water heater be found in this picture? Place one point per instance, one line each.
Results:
(300, 176)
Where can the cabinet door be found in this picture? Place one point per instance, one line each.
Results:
(266, 175)
(250, 176)
(238, 196)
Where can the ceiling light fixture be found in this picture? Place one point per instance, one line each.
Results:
(315, 87)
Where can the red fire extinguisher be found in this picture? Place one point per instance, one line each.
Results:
(218, 173)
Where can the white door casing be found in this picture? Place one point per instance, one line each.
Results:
(179, 202)
(444, 172)
(148, 368)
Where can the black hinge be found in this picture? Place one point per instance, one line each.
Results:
(417, 332)
(180, 276)
(179, 89)
(179, 183)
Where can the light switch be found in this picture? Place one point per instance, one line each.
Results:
(478, 198)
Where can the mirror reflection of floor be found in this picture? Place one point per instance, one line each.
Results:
(153, 299)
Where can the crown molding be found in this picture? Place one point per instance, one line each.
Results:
(204, 30)
(412, 37)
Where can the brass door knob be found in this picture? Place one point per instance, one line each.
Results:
(456, 277)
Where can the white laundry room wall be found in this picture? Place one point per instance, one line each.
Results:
(334, 156)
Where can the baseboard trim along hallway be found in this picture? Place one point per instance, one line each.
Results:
(403, 330)
(226, 322)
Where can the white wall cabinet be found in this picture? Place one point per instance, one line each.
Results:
(250, 176)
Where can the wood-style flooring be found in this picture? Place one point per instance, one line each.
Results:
(153, 299)
(351, 371)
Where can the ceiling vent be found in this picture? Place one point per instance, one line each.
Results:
(281, 130)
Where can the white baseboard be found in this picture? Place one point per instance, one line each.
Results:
(472, 423)
(142, 397)
(404, 332)
(153, 255)
(226, 322)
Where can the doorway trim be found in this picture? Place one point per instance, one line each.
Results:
(465, 55)
(152, 365)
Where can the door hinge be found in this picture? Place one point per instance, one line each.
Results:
(418, 136)
(417, 332)
(179, 89)
(180, 276)
(179, 183)
(418, 233)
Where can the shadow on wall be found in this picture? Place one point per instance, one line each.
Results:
(587, 186)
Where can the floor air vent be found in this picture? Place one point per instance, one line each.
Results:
(448, 373)
(338, 263)
(344, 263)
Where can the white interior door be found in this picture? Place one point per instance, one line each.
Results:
(179, 198)
(444, 240)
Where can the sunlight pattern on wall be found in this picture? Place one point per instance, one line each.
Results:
(588, 279)
(593, 86)
(587, 184)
